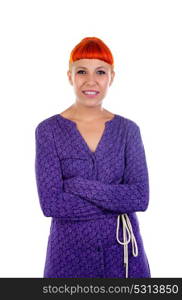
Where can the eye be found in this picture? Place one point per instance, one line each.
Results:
(80, 71)
(102, 71)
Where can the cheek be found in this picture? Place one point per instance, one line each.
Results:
(104, 82)
(105, 86)
(78, 81)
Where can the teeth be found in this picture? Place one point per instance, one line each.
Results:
(90, 93)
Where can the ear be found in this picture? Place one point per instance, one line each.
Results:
(69, 77)
(112, 76)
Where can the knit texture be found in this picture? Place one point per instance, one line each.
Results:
(83, 192)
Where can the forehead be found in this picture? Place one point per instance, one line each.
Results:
(90, 63)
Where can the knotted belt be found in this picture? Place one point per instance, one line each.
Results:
(126, 227)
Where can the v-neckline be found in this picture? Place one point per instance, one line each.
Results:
(83, 141)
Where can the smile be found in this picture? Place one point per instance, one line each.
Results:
(90, 93)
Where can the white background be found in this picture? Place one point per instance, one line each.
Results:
(36, 40)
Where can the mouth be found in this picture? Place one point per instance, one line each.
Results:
(90, 93)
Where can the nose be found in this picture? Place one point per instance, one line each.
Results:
(91, 78)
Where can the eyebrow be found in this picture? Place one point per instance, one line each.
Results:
(86, 68)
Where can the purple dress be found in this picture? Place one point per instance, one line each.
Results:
(92, 199)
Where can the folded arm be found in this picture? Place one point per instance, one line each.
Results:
(129, 196)
(53, 200)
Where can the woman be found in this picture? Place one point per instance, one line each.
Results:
(92, 177)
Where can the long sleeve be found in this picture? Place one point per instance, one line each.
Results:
(53, 201)
(132, 194)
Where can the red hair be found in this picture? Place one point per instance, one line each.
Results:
(91, 47)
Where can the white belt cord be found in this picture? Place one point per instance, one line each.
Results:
(126, 227)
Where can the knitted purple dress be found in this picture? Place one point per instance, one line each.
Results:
(92, 198)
